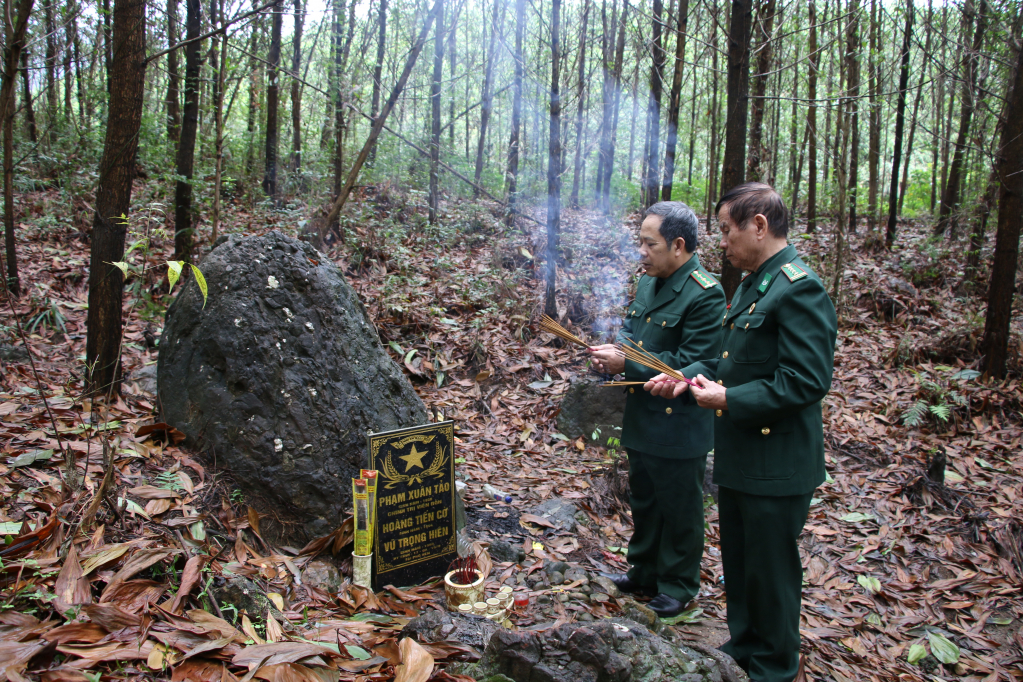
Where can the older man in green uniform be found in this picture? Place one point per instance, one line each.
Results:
(765, 388)
(676, 316)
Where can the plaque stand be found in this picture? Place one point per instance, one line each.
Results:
(362, 570)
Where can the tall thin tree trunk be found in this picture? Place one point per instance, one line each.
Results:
(113, 196)
(51, 71)
(854, 55)
(616, 94)
(675, 99)
(900, 121)
(487, 104)
(653, 111)
(765, 49)
(272, 103)
(255, 96)
(107, 48)
(581, 94)
(296, 89)
(69, 40)
(15, 30)
(512, 175)
(183, 223)
(811, 124)
(1009, 167)
(733, 169)
(435, 88)
(220, 42)
(950, 197)
(713, 115)
(30, 115)
(607, 97)
(794, 133)
(904, 183)
(338, 125)
(692, 135)
(632, 127)
(873, 123)
(554, 165)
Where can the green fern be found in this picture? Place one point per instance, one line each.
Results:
(941, 411)
(916, 413)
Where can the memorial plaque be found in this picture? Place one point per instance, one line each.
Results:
(414, 532)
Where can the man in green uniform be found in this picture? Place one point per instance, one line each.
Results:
(764, 388)
(676, 316)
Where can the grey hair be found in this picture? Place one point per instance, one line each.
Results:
(677, 220)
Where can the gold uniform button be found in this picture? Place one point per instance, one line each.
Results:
(720, 383)
(747, 325)
(640, 343)
(632, 390)
(668, 410)
(717, 412)
(663, 323)
(766, 431)
(733, 326)
(648, 320)
(725, 354)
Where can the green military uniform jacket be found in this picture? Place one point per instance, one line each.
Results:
(680, 324)
(776, 361)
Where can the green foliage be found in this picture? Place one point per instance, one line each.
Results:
(937, 401)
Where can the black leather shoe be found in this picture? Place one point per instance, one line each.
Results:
(666, 606)
(626, 584)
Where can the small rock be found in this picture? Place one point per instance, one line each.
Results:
(322, 575)
(580, 596)
(585, 617)
(575, 573)
(642, 614)
(552, 567)
(500, 550)
(585, 589)
(557, 578)
(607, 586)
(520, 578)
(145, 378)
(558, 511)
(563, 597)
(599, 597)
(245, 596)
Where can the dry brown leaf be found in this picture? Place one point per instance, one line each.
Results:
(139, 561)
(133, 595)
(250, 630)
(295, 672)
(274, 632)
(201, 670)
(210, 623)
(189, 579)
(72, 586)
(14, 656)
(277, 652)
(157, 507)
(416, 663)
(253, 519)
(151, 492)
(87, 633)
(104, 555)
(111, 617)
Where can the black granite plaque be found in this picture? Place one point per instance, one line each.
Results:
(414, 534)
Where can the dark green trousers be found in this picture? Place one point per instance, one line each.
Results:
(763, 580)
(667, 512)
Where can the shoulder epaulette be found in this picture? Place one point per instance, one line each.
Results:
(705, 281)
(793, 271)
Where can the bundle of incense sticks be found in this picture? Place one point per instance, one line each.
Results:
(370, 476)
(465, 570)
(363, 529)
(549, 325)
(623, 383)
(641, 357)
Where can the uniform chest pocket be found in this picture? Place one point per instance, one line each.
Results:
(659, 330)
(758, 339)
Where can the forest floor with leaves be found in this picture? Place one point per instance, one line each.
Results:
(910, 574)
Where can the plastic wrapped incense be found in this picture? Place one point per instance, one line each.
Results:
(363, 534)
(370, 476)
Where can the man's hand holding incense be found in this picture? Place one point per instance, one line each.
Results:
(709, 394)
(665, 386)
(607, 358)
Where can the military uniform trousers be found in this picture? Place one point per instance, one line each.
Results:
(667, 514)
(763, 580)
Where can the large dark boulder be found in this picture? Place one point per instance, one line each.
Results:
(280, 377)
(587, 406)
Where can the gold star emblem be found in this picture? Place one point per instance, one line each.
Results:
(413, 459)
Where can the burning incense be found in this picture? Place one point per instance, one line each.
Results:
(623, 383)
(550, 326)
(464, 569)
(370, 476)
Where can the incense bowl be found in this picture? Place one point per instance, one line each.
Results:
(463, 594)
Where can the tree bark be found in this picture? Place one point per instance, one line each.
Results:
(15, 30)
(1009, 167)
(296, 89)
(516, 119)
(554, 165)
(219, 74)
(675, 100)
(183, 228)
(948, 218)
(255, 96)
(51, 71)
(853, 70)
(900, 122)
(272, 100)
(653, 110)
(713, 116)
(378, 68)
(733, 170)
(435, 88)
(338, 124)
(107, 53)
(581, 94)
(30, 115)
(873, 124)
(765, 49)
(113, 197)
(811, 125)
(616, 94)
(173, 79)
